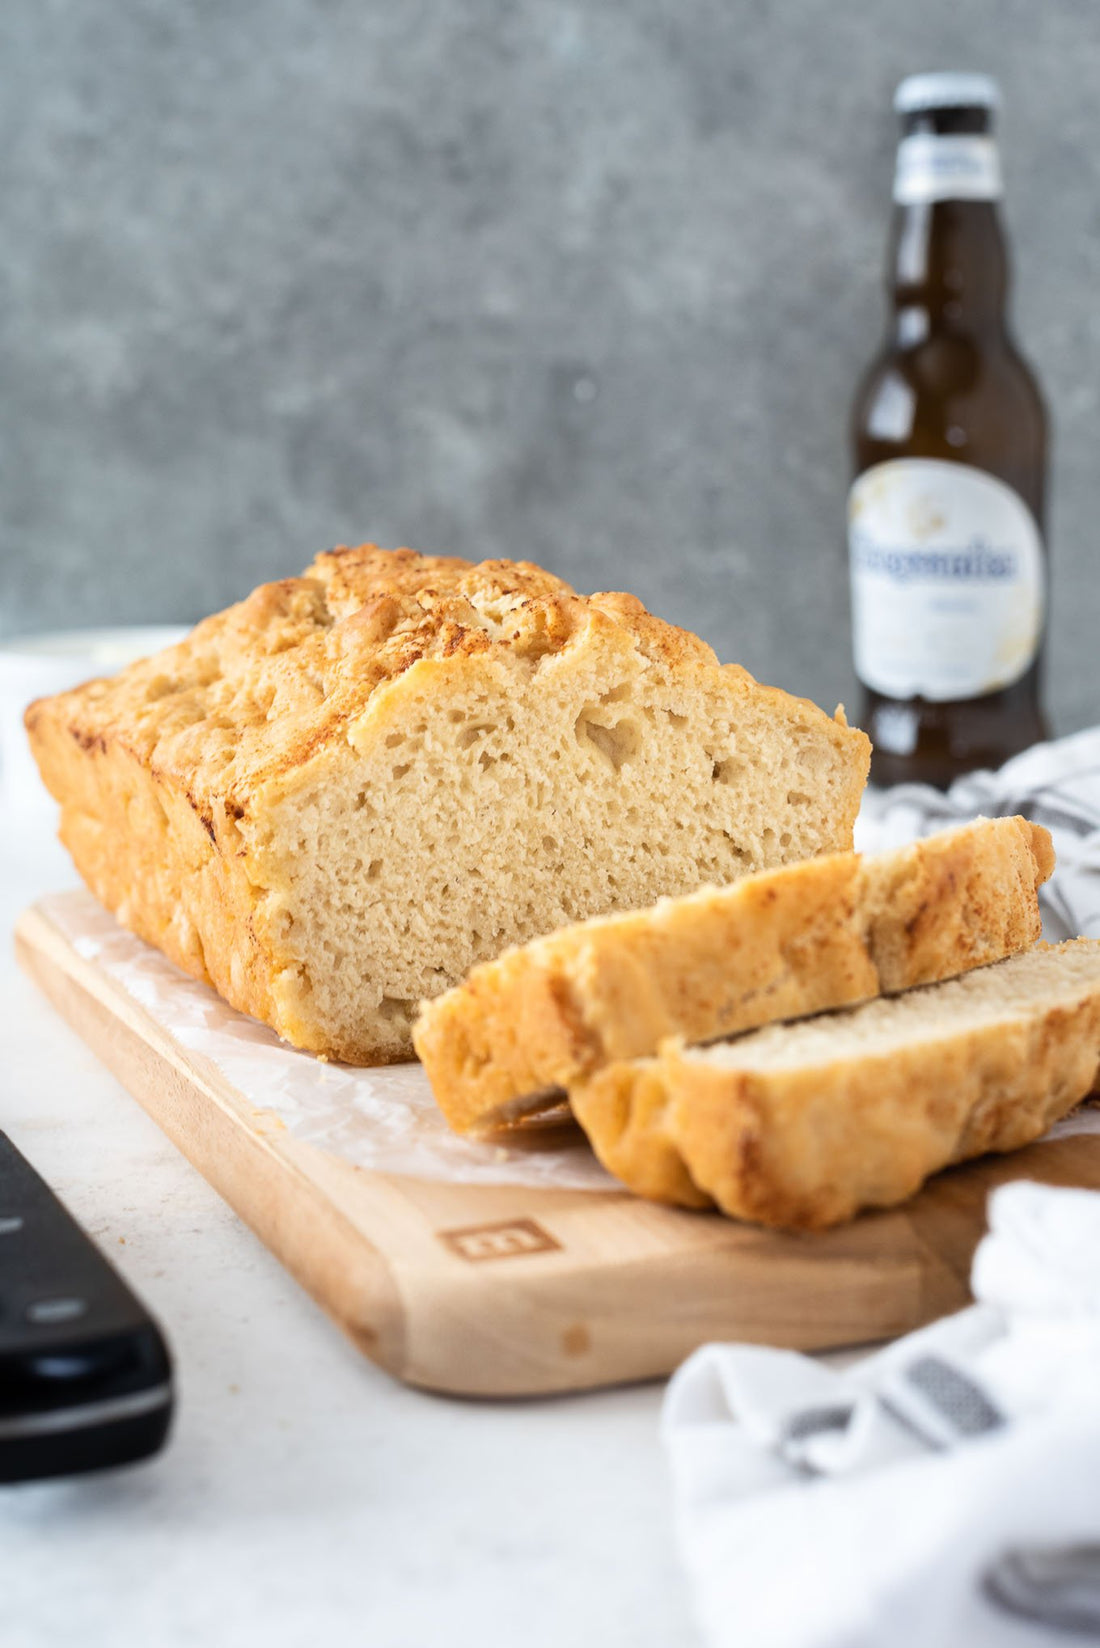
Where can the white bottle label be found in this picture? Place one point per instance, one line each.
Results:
(947, 580)
(951, 167)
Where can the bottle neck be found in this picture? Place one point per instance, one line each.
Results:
(948, 258)
(948, 268)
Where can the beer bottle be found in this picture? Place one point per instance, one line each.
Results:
(947, 562)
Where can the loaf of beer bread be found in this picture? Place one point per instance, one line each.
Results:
(779, 944)
(336, 798)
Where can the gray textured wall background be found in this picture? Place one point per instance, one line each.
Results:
(585, 283)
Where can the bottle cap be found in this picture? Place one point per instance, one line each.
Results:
(947, 89)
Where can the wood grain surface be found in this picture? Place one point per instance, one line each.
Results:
(511, 1291)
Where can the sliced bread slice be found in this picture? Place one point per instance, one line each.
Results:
(801, 1125)
(776, 945)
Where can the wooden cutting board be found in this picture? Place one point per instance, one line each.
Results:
(491, 1290)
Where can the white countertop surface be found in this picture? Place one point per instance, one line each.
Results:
(304, 1497)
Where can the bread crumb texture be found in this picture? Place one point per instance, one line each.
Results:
(336, 797)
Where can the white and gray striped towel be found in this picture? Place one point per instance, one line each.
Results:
(942, 1493)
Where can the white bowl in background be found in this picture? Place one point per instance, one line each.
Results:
(32, 666)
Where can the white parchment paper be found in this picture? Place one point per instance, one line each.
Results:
(384, 1118)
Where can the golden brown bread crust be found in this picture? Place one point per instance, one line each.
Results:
(170, 775)
(780, 944)
(806, 1147)
(257, 691)
(956, 900)
(624, 1109)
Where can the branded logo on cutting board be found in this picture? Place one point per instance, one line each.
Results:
(511, 1239)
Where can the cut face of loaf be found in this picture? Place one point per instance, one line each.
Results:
(801, 1125)
(776, 945)
(334, 799)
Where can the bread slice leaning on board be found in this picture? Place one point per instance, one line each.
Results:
(335, 798)
(801, 1125)
(776, 945)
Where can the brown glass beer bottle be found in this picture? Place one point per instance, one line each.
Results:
(945, 520)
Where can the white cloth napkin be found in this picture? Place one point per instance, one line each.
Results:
(942, 1493)
(1056, 784)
